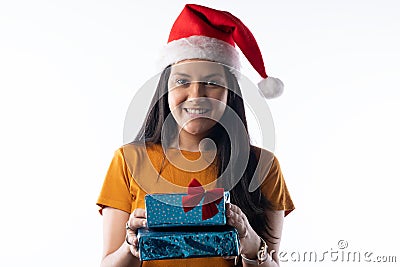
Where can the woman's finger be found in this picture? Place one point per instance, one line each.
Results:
(133, 242)
(137, 219)
(139, 213)
(135, 223)
(240, 226)
(240, 213)
(131, 238)
(237, 219)
(134, 251)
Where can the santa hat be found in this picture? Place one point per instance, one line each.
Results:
(205, 33)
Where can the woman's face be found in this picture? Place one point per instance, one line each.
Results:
(197, 95)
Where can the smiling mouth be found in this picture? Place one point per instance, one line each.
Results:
(196, 111)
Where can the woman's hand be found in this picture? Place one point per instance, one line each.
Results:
(248, 238)
(137, 219)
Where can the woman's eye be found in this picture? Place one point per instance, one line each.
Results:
(182, 82)
(213, 84)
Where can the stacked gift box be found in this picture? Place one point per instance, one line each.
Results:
(187, 225)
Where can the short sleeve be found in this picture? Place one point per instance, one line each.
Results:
(275, 190)
(115, 191)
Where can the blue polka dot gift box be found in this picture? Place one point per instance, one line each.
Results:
(198, 207)
(192, 242)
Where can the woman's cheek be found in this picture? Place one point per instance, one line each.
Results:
(174, 102)
(175, 98)
(171, 100)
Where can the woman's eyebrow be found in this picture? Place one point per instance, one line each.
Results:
(181, 74)
(214, 75)
(205, 77)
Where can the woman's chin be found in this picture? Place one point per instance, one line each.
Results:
(198, 126)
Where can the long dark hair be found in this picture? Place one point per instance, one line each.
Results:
(253, 204)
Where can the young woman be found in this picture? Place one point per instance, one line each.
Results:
(196, 128)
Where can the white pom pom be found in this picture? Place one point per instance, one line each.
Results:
(270, 87)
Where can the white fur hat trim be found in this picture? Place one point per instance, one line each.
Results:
(200, 47)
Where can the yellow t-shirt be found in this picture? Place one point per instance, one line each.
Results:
(137, 170)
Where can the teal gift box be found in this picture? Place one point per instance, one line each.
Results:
(193, 242)
(170, 210)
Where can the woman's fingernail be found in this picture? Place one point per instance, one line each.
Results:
(144, 223)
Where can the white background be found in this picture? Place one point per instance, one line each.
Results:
(69, 69)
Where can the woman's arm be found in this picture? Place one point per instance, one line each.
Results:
(249, 239)
(275, 219)
(116, 252)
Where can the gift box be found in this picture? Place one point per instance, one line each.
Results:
(193, 242)
(196, 208)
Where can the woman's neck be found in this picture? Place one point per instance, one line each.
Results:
(189, 142)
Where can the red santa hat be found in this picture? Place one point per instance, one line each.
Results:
(205, 33)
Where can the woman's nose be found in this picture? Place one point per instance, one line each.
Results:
(196, 89)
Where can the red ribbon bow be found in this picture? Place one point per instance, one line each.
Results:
(196, 193)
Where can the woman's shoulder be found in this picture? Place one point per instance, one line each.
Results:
(267, 164)
(138, 157)
(139, 149)
(262, 153)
